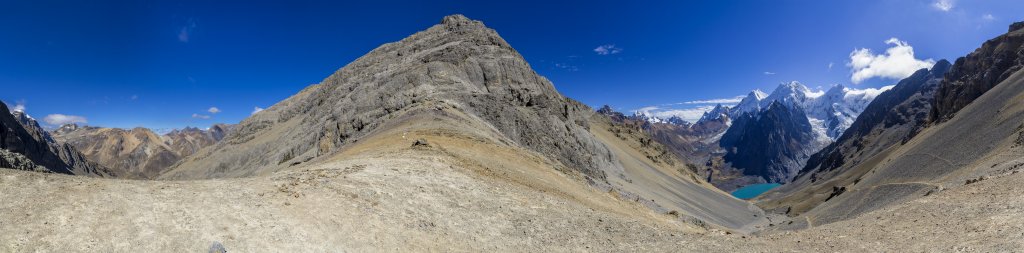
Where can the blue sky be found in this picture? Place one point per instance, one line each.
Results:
(164, 64)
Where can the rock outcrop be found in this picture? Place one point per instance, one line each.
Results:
(978, 72)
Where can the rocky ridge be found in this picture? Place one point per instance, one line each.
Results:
(974, 74)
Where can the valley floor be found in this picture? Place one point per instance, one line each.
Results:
(417, 200)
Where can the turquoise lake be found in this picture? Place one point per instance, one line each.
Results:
(751, 191)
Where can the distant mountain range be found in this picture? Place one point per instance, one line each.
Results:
(138, 153)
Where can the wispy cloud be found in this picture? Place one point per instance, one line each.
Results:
(200, 116)
(186, 30)
(988, 17)
(768, 73)
(61, 119)
(567, 66)
(607, 49)
(830, 66)
(732, 100)
(256, 110)
(943, 5)
(134, 97)
(213, 110)
(896, 63)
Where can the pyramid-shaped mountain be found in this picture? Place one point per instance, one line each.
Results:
(455, 82)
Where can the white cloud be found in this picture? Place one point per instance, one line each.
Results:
(769, 73)
(830, 66)
(213, 110)
(943, 5)
(256, 110)
(732, 100)
(183, 35)
(19, 107)
(566, 66)
(186, 30)
(200, 116)
(61, 119)
(868, 93)
(607, 49)
(135, 97)
(896, 63)
(988, 17)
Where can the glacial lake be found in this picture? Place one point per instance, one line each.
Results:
(751, 191)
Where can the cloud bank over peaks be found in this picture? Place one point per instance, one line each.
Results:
(897, 62)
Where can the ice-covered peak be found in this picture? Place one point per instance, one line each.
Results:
(718, 112)
(750, 103)
(790, 94)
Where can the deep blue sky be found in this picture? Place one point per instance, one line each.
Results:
(155, 64)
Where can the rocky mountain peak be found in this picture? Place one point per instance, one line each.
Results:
(459, 63)
(457, 20)
(68, 127)
(23, 140)
(792, 93)
(1016, 26)
(974, 74)
(769, 144)
(716, 113)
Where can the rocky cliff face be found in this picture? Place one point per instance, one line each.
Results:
(771, 143)
(25, 141)
(459, 62)
(137, 153)
(978, 72)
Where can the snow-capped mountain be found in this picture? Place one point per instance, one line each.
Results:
(773, 136)
(830, 112)
(650, 117)
(839, 107)
(750, 103)
(718, 112)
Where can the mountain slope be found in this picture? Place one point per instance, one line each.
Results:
(472, 77)
(981, 140)
(893, 118)
(459, 61)
(22, 136)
